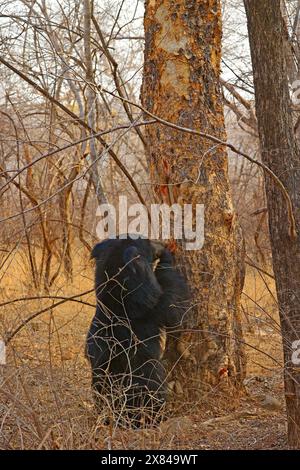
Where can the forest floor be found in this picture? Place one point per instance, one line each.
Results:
(45, 397)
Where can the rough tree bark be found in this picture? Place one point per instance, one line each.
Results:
(181, 84)
(280, 152)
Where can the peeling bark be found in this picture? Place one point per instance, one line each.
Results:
(181, 84)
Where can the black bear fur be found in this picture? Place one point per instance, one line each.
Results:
(140, 296)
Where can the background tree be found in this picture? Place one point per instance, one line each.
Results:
(280, 152)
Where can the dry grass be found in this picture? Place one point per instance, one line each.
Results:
(45, 397)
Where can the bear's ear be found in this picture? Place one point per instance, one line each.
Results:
(103, 248)
(130, 257)
(101, 253)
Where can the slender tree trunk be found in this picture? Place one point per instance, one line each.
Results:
(91, 101)
(281, 153)
(291, 40)
(181, 84)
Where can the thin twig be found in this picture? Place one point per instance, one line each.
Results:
(13, 333)
(79, 121)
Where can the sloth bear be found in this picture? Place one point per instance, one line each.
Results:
(140, 297)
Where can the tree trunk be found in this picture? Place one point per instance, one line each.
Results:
(181, 85)
(280, 152)
(91, 102)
